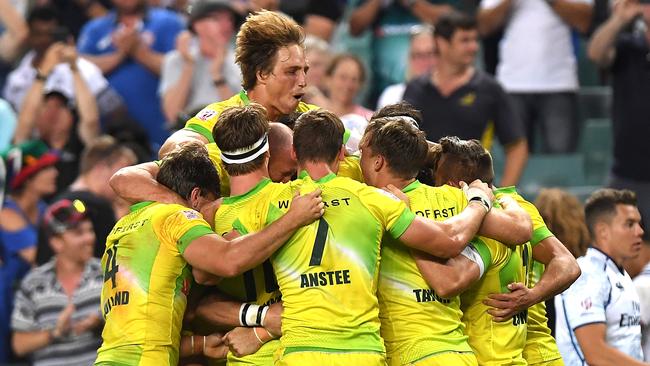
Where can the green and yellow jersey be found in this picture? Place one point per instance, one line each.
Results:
(146, 284)
(267, 201)
(204, 121)
(496, 343)
(415, 322)
(328, 271)
(350, 167)
(540, 345)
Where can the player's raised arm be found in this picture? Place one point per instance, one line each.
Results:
(446, 239)
(137, 183)
(216, 255)
(179, 138)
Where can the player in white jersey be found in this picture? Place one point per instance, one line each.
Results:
(642, 285)
(598, 317)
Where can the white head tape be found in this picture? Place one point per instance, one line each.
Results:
(246, 154)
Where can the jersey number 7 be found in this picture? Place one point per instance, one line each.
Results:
(319, 243)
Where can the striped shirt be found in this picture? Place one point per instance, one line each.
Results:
(39, 301)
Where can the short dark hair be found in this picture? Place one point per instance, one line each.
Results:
(463, 160)
(402, 145)
(259, 39)
(601, 205)
(44, 13)
(104, 149)
(397, 110)
(318, 136)
(427, 173)
(449, 23)
(189, 167)
(240, 127)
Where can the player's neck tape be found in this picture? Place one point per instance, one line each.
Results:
(246, 154)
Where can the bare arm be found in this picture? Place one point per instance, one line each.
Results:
(221, 311)
(444, 239)
(447, 277)
(16, 31)
(510, 225)
(211, 346)
(27, 113)
(108, 62)
(363, 16)
(560, 272)
(24, 343)
(88, 127)
(175, 98)
(138, 183)
(601, 48)
(148, 58)
(575, 14)
(597, 352)
(216, 255)
(516, 157)
(489, 20)
(180, 137)
(427, 12)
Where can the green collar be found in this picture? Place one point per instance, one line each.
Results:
(303, 174)
(244, 97)
(258, 187)
(139, 205)
(413, 185)
(506, 190)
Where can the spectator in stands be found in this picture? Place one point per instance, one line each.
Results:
(621, 45)
(128, 45)
(30, 177)
(318, 55)
(565, 217)
(99, 161)
(538, 65)
(66, 125)
(345, 76)
(202, 69)
(76, 13)
(8, 118)
(13, 34)
(421, 60)
(57, 315)
(391, 22)
(15, 31)
(598, 317)
(456, 99)
(322, 17)
(45, 30)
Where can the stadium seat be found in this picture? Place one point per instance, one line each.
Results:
(596, 145)
(558, 170)
(594, 102)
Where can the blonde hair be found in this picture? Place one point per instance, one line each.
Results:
(259, 40)
(565, 217)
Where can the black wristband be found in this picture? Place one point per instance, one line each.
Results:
(480, 200)
(40, 76)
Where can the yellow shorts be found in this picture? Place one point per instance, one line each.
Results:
(556, 362)
(324, 358)
(447, 358)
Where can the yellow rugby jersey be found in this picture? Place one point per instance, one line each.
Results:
(496, 343)
(204, 121)
(146, 283)
(540, 345)
(350, 167)
(415, 322)
(327, 272)
(266, 201)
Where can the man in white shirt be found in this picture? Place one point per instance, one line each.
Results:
(599, 316)
(44, 28)
(537, 62)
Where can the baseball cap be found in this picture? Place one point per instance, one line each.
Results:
(25, 160)
(203, 8)
(63, 215)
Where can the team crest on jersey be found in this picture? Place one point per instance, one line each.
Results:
(206, 114)
(191, 214)
(586, 303)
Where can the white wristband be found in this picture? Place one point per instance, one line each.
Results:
(251, 315)
(472, 254)
(476, 194)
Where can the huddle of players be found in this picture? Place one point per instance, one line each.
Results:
(303, 284)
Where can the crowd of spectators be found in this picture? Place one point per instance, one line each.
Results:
(91, 86)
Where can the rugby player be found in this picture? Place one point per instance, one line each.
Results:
(454, 164)
(599, 316)
(149, 252)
